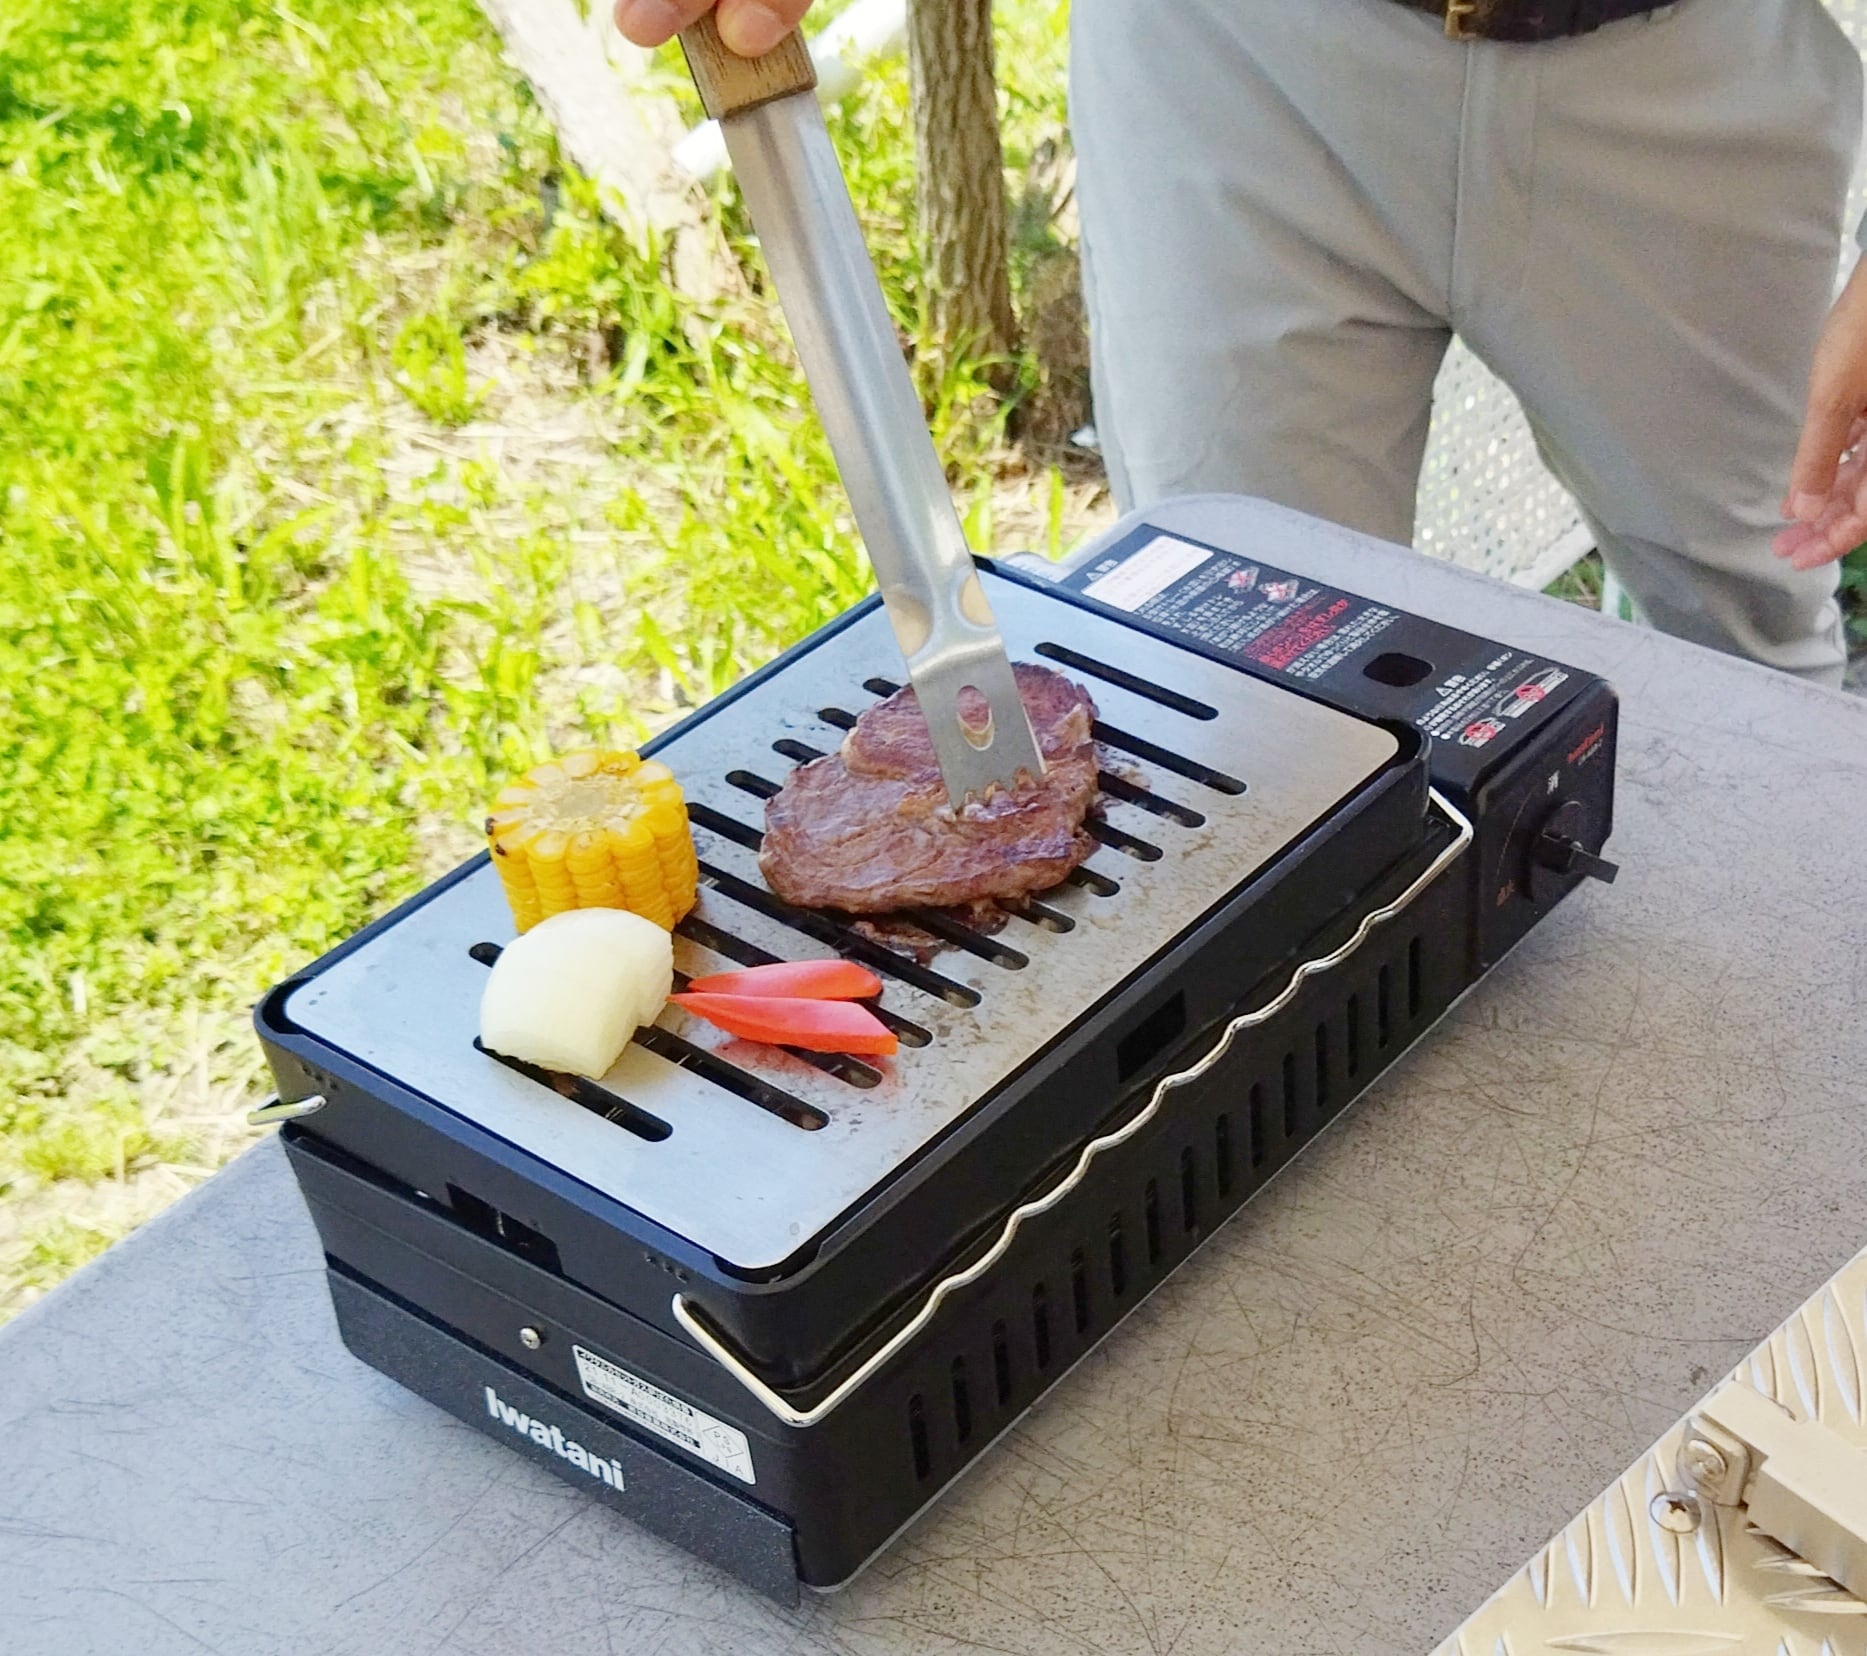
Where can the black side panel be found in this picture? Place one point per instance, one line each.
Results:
(664, 1498)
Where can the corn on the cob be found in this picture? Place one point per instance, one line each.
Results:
(594, 830)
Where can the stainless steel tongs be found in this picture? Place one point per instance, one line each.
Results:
(794, 188)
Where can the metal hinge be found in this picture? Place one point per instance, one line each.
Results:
(1799, 1482)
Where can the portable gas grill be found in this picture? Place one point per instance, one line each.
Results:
(771, 1303)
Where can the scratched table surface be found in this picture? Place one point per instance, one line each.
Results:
(1628, 1154)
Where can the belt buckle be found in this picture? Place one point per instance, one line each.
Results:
(1457, 14)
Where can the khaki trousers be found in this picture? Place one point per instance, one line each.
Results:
(1288, 209)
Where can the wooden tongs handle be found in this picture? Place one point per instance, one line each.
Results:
(730, 84)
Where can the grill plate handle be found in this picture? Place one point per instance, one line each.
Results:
(723, 1354)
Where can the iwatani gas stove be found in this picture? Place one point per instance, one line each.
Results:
(770, 1307)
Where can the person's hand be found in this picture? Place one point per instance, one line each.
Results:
(749, 27)
(1827, 498)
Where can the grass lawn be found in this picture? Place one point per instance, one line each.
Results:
(348, 461)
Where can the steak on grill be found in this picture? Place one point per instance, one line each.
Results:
(869, 829)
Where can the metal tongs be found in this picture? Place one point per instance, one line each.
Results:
(794, 188)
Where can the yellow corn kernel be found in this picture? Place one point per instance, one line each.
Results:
(594, 829)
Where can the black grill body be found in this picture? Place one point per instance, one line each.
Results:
(473, 1272)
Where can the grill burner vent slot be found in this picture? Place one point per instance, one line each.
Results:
(591, 1095)
(1119, 839)
(482, 1218)
(1125, 680)
(774, 1100)
(1128, 793)
(1152, 753)
(1150, 1037)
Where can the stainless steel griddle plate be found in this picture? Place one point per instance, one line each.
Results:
(765, 1149)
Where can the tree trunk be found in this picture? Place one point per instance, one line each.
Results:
(962, 176)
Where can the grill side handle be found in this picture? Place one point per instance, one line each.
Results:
(723, 1354)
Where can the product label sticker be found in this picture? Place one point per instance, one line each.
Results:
(666, 1416)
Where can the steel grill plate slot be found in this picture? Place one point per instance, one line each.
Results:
(717, 822)
(1087, 666)
(741, 1181)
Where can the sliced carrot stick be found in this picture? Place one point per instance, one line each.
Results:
(815, 1025)
(795, 980)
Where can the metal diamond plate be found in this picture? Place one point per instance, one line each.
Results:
(1616, 1582)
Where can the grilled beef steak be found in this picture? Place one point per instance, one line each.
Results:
(869, 829)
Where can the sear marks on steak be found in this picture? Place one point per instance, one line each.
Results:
(869, 829)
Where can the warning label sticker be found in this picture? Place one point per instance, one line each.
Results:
(666, 1416)
(1147, 574)
(1266, 615)
(1453, 685)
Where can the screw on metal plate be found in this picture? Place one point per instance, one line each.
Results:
(1677, 1513)
(1704, 1461)
(530, 1338)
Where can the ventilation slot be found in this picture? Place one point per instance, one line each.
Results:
(742, 953)
(839, 937)
(728, 828)
(1150, 1218)
(1260, 1125)
(1037, 914)
(592, 1096)
(1189, 1190)
(917, 1436)
(962, 1401)
(1416, 973)
(1128, 793)
(1222, 1154)
(1040, 1326)
(1322, 1068)
(1125, 680)
(1351, 1038)
(1292, 1104)
(485, 1220)
(1153, 754)
(1151, 1037)
(730, 1078)
(1120, 840)
(962, 936)
(839, 717)
(1384, 1008)
(751, 782)
(1079, 1290)
(1118, 1257)
(487, 954)
(1001, 1363)
(880, 686)
(799, 753)
(1097, 885)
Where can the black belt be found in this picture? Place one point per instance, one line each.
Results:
(1530, 20)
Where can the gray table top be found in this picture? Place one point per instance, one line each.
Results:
(1630, 1152)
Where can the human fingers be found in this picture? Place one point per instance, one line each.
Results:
(650, 22)
(1836, 401)
(753, 27)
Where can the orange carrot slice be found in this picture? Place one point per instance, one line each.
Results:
(795, 980)
(814, 1025)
